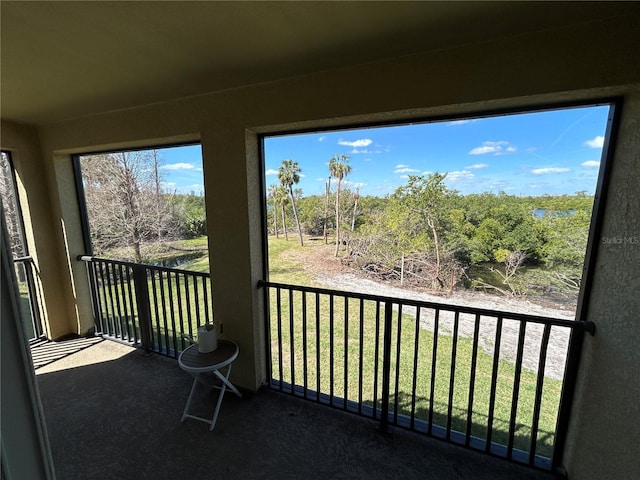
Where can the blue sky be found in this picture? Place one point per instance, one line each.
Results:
(181, 169)
(551, 152)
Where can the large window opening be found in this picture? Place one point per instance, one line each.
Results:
(482, 210)
(428, 275)
(146, 206)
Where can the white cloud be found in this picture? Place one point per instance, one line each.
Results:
(596, 142)
(590, 164)
(460, 122)
(401, 165)
(354, 184)
(477, 165)
(460, 175)
(355, 150)
(364, 142)
(322, 138)
(168, 184)
(178, 166)
(497, 148)
(271, 171)
(405, 169)
(542, 171)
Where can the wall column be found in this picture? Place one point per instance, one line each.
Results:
(232, 187)
(44, 228)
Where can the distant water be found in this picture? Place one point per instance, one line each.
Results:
(541, 212)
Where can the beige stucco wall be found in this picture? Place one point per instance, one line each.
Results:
(583, 62)
(42, 227)
(605, 424)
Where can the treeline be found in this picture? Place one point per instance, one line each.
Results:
(128, 205)
(428, 235)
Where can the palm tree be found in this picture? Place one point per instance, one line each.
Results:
(281, 198)
(273, 189)
(289, 175)
(339, 168)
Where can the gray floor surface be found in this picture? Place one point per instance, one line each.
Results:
(113, 412)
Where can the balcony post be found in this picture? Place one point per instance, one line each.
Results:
(386, 367)
(143, 306)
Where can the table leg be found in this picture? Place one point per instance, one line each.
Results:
(186, 407)
(223, 388)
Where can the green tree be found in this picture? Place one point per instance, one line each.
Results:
(424, 200)
(339, 168)
(311, 212)
(289, 175)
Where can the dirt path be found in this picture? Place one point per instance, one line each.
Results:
(329, 272)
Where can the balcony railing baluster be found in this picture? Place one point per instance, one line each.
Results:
(414, 383)
(472, 380)
(452, 373)
(280, 355)
(148, 305)
(292, 340)
(305, 359)
(28, 278)
(434, 360)
(414, 368)
(422, 369)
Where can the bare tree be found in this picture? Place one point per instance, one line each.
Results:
(9, 203)
(513, 261)
(125, 203)
(356, 197)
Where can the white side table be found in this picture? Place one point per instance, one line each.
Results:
(197, 364)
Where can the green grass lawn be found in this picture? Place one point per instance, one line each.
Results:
(337, 354)
(349, 339)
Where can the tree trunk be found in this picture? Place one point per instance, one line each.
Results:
(435, 241)
(136, 246)
(275, 218)
(295, 214)
(355, 208)
(338, 216)
(326, 208)
(284, 223)
(158, 195)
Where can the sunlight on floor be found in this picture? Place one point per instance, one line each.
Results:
(95, 351)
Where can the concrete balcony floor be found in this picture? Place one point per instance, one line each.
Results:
(113, 412)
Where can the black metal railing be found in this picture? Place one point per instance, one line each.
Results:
(150, 306)
(30, 291)
(499, 382)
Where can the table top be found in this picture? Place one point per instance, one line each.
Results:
(193, 361)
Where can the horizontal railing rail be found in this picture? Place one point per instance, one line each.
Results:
(496, 381)
(30, 290)
(151, 306)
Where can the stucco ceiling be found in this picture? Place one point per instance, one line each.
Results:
(62, 60)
